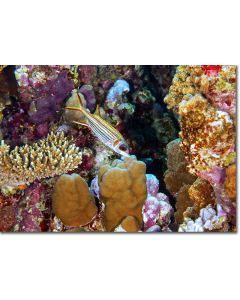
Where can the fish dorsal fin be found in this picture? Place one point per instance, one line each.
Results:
(97, 111)
(80, 99)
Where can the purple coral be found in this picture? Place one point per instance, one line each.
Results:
(89, 95)
(44, 88)
(46, 107)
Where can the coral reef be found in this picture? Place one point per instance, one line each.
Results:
(209, 220)
(52, 156)
(204, 98)
(178, 124)
(191, 193)
(191, 199)
(216, 83)
(73, 204)
(123, 191)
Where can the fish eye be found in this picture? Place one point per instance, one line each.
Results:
(123, 147)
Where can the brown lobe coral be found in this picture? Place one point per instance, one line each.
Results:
(73, 204)
(123, 191)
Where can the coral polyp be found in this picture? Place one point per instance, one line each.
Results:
(118, 148)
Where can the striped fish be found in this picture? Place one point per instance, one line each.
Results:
(105, 132)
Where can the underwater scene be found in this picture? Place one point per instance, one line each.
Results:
(118, 148)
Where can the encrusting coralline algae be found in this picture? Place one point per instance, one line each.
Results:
(179, 123)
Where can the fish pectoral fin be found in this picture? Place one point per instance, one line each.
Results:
(81, 123)
(97, 111)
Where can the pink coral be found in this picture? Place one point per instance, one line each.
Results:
(209, 220)
(157, 208)
(224, 101)
(217, 177)
(151, 211)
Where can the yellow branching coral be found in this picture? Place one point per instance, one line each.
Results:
(123, 191)
(208, 135)
(192, 79)
(187, 81)
(52, 156)
(230, 183)
(73, 204)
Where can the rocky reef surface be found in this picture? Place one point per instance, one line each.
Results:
(59, 175)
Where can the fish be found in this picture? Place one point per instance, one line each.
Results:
(104, 131)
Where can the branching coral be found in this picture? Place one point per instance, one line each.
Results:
(73, 204)
(208, 135)
(123, 191)
(49, 157)
(188, 80)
